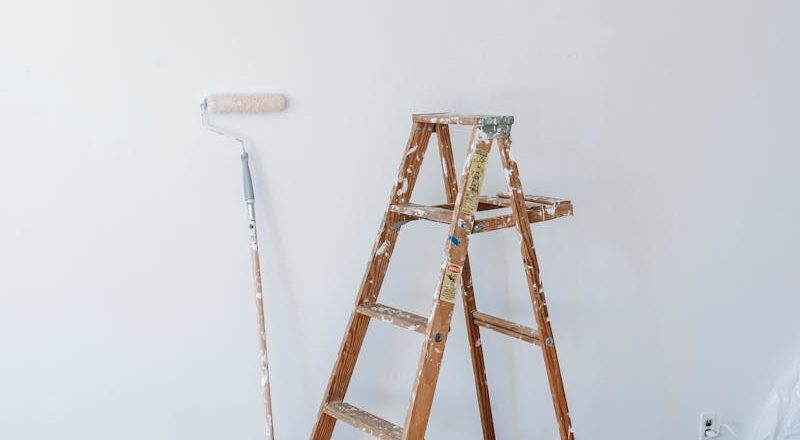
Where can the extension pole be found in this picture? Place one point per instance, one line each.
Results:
(240, 104)
(249, 198)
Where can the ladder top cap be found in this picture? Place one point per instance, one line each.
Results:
(453, 118)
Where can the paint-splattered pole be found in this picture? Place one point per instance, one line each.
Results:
(259, 297)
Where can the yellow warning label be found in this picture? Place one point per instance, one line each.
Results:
(475, 174)
(450, 283)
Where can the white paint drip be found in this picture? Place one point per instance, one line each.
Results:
(382, 249)
(411, 150)
(403, 186)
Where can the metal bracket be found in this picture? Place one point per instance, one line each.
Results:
(492, 127)
(207, 125)
(398, 224)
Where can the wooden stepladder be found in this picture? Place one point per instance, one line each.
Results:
(463, 201)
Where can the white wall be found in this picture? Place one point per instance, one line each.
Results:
(125, 307)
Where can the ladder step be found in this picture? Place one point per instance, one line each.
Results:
(397, 317)
(539, 209)
(432, 213)
(360, 419)
(505, 327)
(456, 119)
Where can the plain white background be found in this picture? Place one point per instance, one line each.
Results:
(125, 305)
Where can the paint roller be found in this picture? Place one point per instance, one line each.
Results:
(240, 104)
(245, 103)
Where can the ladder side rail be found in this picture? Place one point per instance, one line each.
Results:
(373, 278)
(535, 287)
(467, 292)
(419, 407)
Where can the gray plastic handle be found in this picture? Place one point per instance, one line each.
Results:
(247, 179)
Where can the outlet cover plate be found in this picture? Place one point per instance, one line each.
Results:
(708, 420)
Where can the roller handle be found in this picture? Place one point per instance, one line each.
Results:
(247, 179)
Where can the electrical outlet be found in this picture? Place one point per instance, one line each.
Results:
(708, 421)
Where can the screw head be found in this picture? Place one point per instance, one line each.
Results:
(549, 342)
(438, 337)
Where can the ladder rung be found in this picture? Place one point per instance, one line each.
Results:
(536, 214)
(503, 202)
(360, 419)
(444, 213)
(433, 213)
(505, 327)
(542, 200)
(397, 317)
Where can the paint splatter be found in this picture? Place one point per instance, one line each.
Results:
(382, 249)
(403, 186)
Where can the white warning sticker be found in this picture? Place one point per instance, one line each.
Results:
(450, 283)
